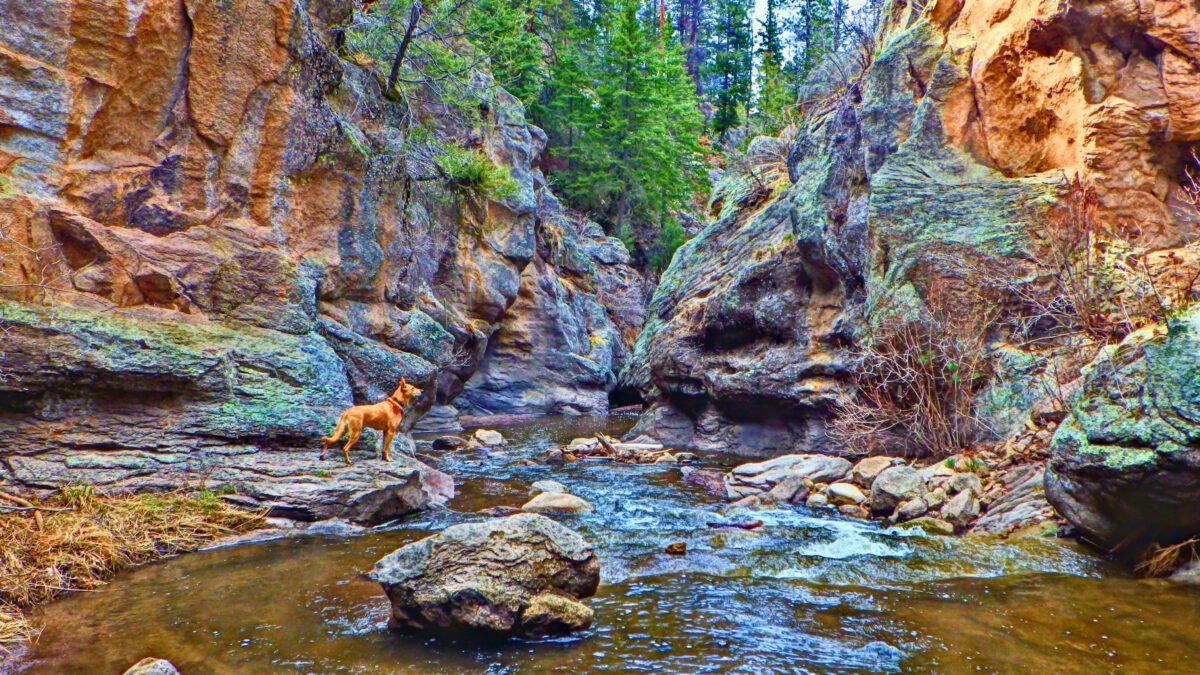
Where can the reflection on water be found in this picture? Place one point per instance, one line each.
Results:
(807, 592)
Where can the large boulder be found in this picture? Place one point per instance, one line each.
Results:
(1125, 464)
(893, 487)
(518, 575)
(756, 477)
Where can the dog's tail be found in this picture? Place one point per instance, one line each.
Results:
(337, 431)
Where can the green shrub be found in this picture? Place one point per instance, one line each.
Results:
(470, 171)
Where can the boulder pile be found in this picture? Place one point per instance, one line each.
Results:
(641, 450)
(947, 496)
(522, 575)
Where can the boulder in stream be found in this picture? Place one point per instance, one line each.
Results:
(495, 576)
(557, 503)
(1125, 463)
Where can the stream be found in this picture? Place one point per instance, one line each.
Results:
(808, 592)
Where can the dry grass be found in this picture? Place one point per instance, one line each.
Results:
(87, 538)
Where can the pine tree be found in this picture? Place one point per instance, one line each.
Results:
(511, 32)
(624, 113)
(814, 28)
(731, 63)
(776, 93)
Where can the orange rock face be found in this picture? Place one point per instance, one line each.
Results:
(1108, 90)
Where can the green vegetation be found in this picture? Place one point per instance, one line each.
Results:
(470, 171)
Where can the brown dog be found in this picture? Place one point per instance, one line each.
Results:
(384, 416)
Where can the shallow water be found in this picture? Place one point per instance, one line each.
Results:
(808, 592)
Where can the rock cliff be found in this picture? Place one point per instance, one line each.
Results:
(904, 183)
(212, 242)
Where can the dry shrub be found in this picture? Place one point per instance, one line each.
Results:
(1160, 561)
(1082, 280)
(1191, 186)
(86, 538)
(916, 381)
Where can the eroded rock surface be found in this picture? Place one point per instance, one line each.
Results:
(935, 164)
(219, 201)
(1125, 464)
(522, 574)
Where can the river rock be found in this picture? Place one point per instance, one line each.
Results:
(965, 482)
(867, 469)
(152, 666)
(845, 493)
(487, 576)
(552, 614)
(854, 511)
(791, 490)
(1125, 464)
(762, 476)
(936, 498)
(677, 548)
(488, 438)
(541, 486)
(1021, 504)
(816, 500)
(893, 486)
(448, 442)
(710, 480)
(557, 503)
(961, 510)
(913, 508)
(931, 525)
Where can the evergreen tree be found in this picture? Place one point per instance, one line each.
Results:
(624, 112)
(732, 62)
(512, 34)
(776, 93)
(813, 26)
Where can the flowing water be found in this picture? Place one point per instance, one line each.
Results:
(808, 592)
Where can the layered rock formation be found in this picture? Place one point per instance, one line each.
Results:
(212, 242)
(1125, 468)
(941, 160)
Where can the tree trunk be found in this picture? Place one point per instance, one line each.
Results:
(414, 16)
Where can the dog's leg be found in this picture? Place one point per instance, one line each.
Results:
(388, 435)
(355, 432)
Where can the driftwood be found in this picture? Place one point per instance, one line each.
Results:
(604, 447)
(27, 505)
(751, 525)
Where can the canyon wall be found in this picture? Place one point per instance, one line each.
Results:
(212, 242)
(974, 119)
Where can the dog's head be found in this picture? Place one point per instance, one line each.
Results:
(405, 392)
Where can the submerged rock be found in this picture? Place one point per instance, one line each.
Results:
(1125, 464)
(448, 442)
(152, 666)
(493, 576)
(710, 480)
(541, 486)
